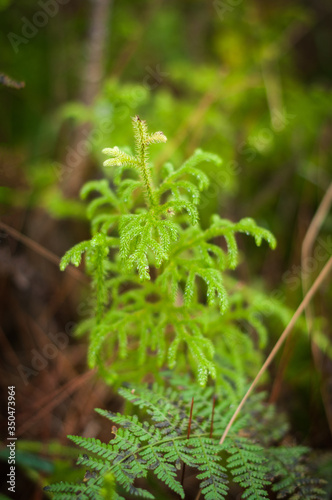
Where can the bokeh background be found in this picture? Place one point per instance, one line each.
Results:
(250, 81)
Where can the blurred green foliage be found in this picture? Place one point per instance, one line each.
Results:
(249, 82)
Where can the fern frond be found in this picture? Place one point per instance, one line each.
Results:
(291, 475)
(159, 446)
(94, 446)
(248, 468)
(212, 475)
(156, 442)
(69, 491)
(158, 406)
(96, 464)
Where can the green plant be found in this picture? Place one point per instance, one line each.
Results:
(161, 297)
(158, 442)
(157, 275)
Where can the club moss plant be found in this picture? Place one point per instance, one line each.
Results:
(162, 298)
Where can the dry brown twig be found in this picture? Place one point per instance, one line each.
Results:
(55, 399)
(317, 283)
(323, 364)
(47, 254)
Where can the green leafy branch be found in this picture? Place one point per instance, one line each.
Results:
(155, 441)
(157, 276)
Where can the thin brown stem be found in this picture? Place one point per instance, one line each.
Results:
(188, 435)
(319, 280)
(313, 231)
(306, 253)
(47, 254)
(55, 399)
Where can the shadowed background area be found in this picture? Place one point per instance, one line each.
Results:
(248, 81)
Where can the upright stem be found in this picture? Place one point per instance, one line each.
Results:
(142, 156)
(188, 436)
